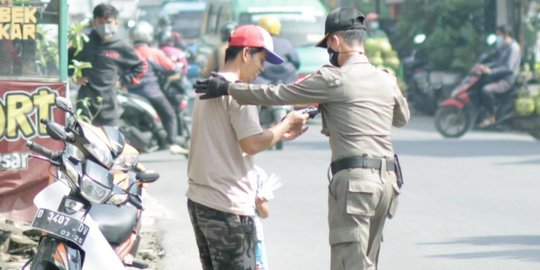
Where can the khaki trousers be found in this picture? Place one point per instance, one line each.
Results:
(359, 202)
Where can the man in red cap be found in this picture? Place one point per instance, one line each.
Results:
(222, 178)
(359, 104)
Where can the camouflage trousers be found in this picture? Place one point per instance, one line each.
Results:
(225, 241)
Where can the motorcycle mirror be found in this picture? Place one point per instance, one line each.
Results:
(491, 38)
(54, 130)
(147, 176)
(419, 39)
(64, 104)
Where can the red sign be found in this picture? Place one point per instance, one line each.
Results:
(22, 105)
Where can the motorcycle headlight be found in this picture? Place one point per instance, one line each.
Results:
(103, 155)
(118, 199)
(93, 191)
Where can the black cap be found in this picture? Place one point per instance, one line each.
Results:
(341, 19)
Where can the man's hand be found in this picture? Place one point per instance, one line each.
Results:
(483, 69)
(296, 121)
(214, 86)
(81, 80)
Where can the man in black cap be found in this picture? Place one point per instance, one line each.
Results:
(359, 104)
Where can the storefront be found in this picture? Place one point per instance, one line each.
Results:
(33, 71)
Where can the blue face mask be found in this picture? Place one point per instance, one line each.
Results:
(106, 31)
(374, 26)
(499, 42)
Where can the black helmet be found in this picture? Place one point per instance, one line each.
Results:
(164, 21)
(166, 37)
(226, 30)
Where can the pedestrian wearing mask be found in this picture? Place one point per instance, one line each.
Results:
(113, 61)
(359, 104)
(222, 186)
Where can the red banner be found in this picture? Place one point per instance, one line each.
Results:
(22, 105)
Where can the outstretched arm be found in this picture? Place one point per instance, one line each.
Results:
(291, 127)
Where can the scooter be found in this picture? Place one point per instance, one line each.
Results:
(423, 93)
(140, 123)
(90, 216)
(175, 90)
(463, 111)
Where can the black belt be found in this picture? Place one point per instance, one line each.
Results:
(360, 162)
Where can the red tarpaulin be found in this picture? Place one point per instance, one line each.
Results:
(23, 104)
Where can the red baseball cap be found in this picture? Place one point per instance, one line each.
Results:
(255, 37)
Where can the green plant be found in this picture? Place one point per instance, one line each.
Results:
(83, 111)
(454, 29)
(78, 67)
(46, 51)
(77, 37)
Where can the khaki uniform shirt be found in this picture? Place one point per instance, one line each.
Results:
(220, 175)
(359, 104)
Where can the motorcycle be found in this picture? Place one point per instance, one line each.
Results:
(463, 111)
(90, 216)
(140, 123)
(424, 93)
(175, 89)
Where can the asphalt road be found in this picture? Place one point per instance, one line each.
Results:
(470, 203)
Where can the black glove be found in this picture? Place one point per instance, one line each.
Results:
(214, 86)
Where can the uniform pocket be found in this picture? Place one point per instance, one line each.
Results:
(362, 197)
(394, 201)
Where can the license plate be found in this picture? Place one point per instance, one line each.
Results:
(61, 225)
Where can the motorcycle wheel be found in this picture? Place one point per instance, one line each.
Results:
(48, 247)
(452, 122)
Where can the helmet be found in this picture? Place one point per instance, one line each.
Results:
(226, 30)
(271, 24)
(164, 21)
(142, 32)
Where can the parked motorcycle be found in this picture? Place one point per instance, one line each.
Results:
(175, 89)
(90, 216)
(463, 111)
(140, 123)
(423, 92)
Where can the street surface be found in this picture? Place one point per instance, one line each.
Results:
(470, 203)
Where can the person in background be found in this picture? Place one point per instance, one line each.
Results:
(157, 63)
(221, 175)
(113, 61)
(373, 26)
(217, 57)
(165, 31)
(286, 72)
(501, 73)
(359, 104)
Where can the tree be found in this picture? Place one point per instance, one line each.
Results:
(454, 29)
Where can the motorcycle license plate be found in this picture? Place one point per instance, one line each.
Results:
(61, 225)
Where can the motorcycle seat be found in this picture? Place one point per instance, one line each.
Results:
(115, 222)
